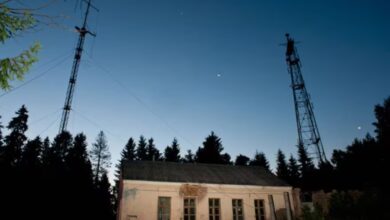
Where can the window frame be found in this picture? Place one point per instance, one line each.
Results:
(235, 208)
(212, 209)
(188, 215)
(161, 215)
(259, 209)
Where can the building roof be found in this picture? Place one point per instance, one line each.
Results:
(199, 173)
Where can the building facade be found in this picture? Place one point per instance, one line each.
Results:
(164, 191)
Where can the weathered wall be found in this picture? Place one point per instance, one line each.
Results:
(139, 199)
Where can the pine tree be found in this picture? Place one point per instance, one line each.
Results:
(307, 169)
(293, 171)
(1, 146)
(282, 169)
(211, 151)
(306, 163)
(260, 160)
(152, 153)
(79, 182)
(31, 155)
(77, 160)
(104, 209)
(242, 160)
(172, 153)
(1, 138)
(60, 147)
(189, 157)
(15, 140)
(128, 154)
(100, 156)
(141, 149)
(46, 152)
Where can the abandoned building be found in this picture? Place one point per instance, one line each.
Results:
(166, 190)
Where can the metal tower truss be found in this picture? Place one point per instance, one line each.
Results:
(308, 134)
(76, 63)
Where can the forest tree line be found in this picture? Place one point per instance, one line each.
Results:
(63, 179)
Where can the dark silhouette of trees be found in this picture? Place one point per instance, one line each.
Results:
(172, 153)
(242, 160)
(189, 157)
(15, 140)
(141, 149)
(31, 155)
(104, 202)
(282, 169)
(260, 160)
(100, 156)
(306, 169)
(211, 152)
(128, 154)
(293, 171)
(152, 153)
(1, 138)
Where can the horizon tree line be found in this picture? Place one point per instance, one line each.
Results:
(64, 168)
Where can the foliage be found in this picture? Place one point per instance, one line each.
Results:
(282, 168)
(242, 160)
(172, 153)
(152, 153)
(100, 156)
(141, 149)
(293, 171)
(14, 142)
(315, 214)
(211, 152)
(12, 22)
(189, 157)
(260, 160)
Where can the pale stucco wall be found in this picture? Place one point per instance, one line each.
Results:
(139, 199)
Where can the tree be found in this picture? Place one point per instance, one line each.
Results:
(260, 160)
(79, 183)
(12, 23)
(382, 124)
(1, 138)
(31, 155)
(104, 209)
(307, 169)
(172, 153)
(242, 160)
(128, 154)
(16, 138)
(189, 157)
(211, 151)
(60, 147)
(293, 171)
(78, 162)
(281, 168)
(100, 156)
(141, 149)
(152, 153)
(306, 163)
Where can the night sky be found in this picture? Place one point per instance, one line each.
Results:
(182, 69)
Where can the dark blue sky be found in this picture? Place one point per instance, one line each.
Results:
(153, 70)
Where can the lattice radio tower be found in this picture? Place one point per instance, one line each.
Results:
(308, 134)
(76, 63)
